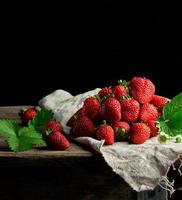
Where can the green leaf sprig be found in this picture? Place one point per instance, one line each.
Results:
(170, 123)
(24, 138)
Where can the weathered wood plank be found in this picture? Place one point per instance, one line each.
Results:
(77, 173)
(74, 150)
(76, 178)
(11, 112)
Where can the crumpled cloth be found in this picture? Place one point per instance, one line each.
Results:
(143, 166)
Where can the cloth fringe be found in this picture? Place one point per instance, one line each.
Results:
(167, 185)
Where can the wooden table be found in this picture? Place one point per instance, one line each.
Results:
(77, 173)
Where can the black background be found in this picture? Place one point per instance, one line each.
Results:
(80, 45)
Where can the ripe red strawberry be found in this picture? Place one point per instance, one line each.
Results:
(84, 127)
(73, 119)
(148, 112)
(120, 90)
(105, 92)
(106, 132)
(91, 107)
(153, 129)
(53, 125)
(111, 110)
(121, 130)
(142, 89)
(28, 115)
(159, 102)
(57, 140)
(139, 133)
(130, 110)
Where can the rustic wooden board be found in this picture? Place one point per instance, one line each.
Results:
(74, 150)
(77, 173)
(11, 112)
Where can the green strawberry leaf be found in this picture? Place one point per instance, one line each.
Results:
(9, 130)
(29, 137)
(173, 106)
(159, 119)
(24, 138)
(40, 119)
(163, 127)
(175, 122)
(170, 122)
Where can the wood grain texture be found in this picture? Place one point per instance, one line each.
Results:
(74, 150)
(11, 112)
(69, 178)
(77, 173)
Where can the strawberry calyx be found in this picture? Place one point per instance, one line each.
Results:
(22, 110)
(121, 134)
(103, 122)
(107, 97)
(48, 131)
(124, 83)
(97, 97)
(125, 97)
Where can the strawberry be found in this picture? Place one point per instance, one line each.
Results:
(130, 110)
(120, 90)
(105, 92)
(106, 132)
(159, 102)
(153, 129)
(84, 127)
(139, 133)
(111, 110)
(91, 107)
(73, 119)
(53, 125)
(142, 89)
(148, 112)
(121, 130)
(57, 140)
(28, 115)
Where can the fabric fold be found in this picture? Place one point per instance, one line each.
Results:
(143, 166)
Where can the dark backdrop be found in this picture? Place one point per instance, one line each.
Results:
(80, 45)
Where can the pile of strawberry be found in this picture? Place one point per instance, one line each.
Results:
(53, 133)
(124, 112)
